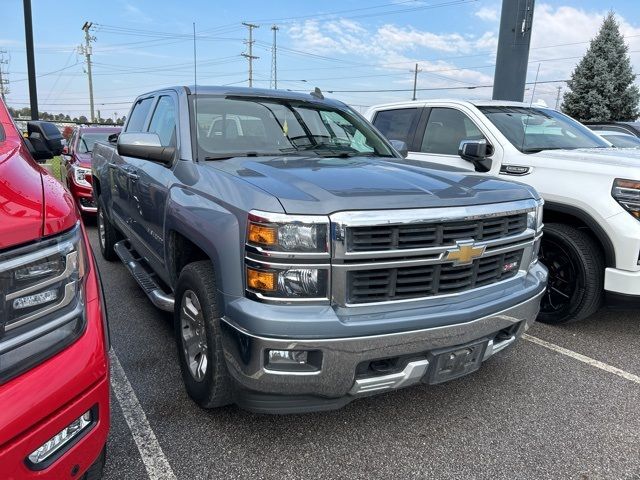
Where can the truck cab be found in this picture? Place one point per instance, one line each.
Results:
(591, 191)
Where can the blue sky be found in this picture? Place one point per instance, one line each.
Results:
(335, 45)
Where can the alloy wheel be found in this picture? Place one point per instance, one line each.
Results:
(563, 276)
(194, 337)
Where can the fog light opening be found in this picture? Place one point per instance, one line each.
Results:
(293, 360)
(39, 458)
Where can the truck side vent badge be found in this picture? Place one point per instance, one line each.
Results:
(515, 170)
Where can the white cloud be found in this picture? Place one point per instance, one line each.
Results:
(490, 14)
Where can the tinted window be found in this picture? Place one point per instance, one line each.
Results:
(445, 130)
(163, 121)
(397, 124)
(139, 114)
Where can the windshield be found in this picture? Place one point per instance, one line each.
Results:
(533, 129)
(87, 140)
(238, 126)
(622, 141)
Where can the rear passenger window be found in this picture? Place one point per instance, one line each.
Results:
(399, 124)
(139, 115)
(163, 121)
(445, 130)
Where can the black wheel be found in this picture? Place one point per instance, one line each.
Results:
(108, 236)
(198, 337)
(95, 470)
(576, 274)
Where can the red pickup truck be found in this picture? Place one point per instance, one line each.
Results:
(54, 366)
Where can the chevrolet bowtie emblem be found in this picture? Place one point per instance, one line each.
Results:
(464, 253)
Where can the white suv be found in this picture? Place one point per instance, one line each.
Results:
(591, 243)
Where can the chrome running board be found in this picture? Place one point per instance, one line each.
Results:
(158, 297)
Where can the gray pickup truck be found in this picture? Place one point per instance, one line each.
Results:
(307, 262)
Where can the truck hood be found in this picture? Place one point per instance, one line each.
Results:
(616, 157)
(21, 197)
(319, 185)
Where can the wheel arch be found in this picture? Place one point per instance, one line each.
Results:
(196, 229)
(559, 213)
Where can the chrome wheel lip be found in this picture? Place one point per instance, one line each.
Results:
(101, 228)
(193, 336)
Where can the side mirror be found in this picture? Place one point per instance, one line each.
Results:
(476, 152)
(44, 140)
(113, 138)
(145, 146)
(401, 147)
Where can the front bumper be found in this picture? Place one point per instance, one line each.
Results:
(624, 279)
(337, 381)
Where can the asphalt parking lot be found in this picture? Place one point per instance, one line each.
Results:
(531, 412)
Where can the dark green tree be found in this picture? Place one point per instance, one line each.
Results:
(602, 85)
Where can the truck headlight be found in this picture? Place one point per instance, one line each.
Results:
(534, 218)
(627, 194)
(81, 176)
(41, 300)
(288, 233)
(287, 282)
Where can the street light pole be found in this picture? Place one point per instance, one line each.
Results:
(31, 61)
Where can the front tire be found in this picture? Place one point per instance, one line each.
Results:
(576, 275)
(107, 234)
(199, 337)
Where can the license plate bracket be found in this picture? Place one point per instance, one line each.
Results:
(456, 362)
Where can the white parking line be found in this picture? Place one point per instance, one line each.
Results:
(155, 462)
(583, 358)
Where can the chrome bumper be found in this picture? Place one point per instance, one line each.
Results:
(245, 354)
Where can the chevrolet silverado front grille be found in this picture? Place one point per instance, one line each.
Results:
(386, 256)
(386, 284)
(423, 235)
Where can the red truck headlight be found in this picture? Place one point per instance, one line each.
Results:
(41, 300)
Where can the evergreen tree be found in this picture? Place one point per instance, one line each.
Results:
(602, 84)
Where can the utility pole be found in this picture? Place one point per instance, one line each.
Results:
(249, 56)
(415, 80)
(274, 59)
(512, 58)
(559, 87)
(4, 82)
(31, 59)
(86, 51)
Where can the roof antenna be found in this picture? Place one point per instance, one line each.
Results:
(195, 90)
(317, 93)
(526, 122)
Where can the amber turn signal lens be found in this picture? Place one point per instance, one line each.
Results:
(262, 235)
(627, 184)
(263, 281)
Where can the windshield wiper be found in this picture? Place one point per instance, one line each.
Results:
(226, 156)
(540, 149)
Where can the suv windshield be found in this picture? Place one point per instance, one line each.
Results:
(532, 130)
(87, 140)
(270, 126)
